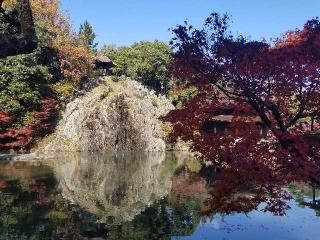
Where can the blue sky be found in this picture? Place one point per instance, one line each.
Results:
(123, 22)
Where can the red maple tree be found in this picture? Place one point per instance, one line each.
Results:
(242, 80)
(13, 138)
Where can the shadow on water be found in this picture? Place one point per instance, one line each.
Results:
(144, 196)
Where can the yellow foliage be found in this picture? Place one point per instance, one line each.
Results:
(64, 90)
(76, 60)
(194, 165)
(9, 3)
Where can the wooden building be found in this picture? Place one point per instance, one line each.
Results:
(221, 124)
(103, 65)
(224, 115)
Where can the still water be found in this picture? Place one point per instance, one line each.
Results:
(135, 196)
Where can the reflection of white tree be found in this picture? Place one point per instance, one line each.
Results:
(113, 187)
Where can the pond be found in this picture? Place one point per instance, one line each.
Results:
(141, 196)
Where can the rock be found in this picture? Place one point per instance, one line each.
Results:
(113, 116)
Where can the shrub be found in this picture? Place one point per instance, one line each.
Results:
(185, 95)
(22, 83)
(166, 128)
(64, 90)
(154, 102)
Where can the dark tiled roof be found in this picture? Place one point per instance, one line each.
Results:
(103, 59)
(230, 118)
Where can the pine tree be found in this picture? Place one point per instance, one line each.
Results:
(87, 32)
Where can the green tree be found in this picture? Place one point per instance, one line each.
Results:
(22, 83)
(86, 30)
(111, 51)
(144, 61)
(24, 79)
(9, 27)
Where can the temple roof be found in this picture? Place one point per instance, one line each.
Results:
(232, 118)
(103, 59)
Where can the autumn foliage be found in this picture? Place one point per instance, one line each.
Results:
(62, 59)
(188, 184)
(75, 58)
(278, 83)
(13, 138)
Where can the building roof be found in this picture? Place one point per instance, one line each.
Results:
(232, 118)
(103, 59)
(222, 118)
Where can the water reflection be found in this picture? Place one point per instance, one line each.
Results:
(140, 196)
(113, 187)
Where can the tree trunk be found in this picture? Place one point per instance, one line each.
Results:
(24, 43)
(314, 194)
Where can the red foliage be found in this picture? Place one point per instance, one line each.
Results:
(37, 187)
(3, 185)
(41, 190)
(279, 84)
(12, 138)
(5, 119)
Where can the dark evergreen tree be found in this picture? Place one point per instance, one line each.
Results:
(89, 36)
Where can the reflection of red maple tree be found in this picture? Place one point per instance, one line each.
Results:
(3, 184)
(279, 83)
(188, 184)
